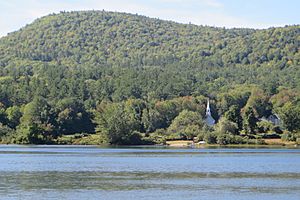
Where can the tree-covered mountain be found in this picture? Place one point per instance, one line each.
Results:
(73, 72)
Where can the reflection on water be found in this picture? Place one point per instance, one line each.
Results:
(52, 172)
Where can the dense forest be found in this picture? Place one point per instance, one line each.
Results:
(106, 77)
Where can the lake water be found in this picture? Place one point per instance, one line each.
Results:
(78, 172)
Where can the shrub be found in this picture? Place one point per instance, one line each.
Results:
(6, 133)
(210, 138)
(290, 136)
(225, 126)
(224, 139)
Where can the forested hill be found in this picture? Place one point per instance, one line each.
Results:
(68, 63)
(108, 38)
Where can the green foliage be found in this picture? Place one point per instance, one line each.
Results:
(3, 117)
(152, 120)
(36, 112)
(249, 121)
(284, 96)
(234, 115)
(5, 134)
(234, 100)
(13, 116)
(259, 103)
(187, 124)
(226, 126)
(118, 121)
(289, 136)
(265, 126)
(35, 126)
(210, 138)
(157, 137)
(224, 139)
(55, 71)
(290, 115)
(72, 117)
(31, 134)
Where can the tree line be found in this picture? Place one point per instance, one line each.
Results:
(132, 79)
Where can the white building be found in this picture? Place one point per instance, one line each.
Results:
(210, 121)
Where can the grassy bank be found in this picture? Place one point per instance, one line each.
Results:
(267, 143)
(210, 140)
(95, 139)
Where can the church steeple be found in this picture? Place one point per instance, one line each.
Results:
(210, 121)
(208, 113)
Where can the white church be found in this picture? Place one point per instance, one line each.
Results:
(210, 121)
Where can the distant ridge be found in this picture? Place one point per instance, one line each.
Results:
(133, 40)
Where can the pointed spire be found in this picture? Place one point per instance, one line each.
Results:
(210, 121)
(208, 113)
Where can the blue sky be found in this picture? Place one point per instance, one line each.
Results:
(15, 14)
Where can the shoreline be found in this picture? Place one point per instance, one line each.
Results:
(179, 145)
(269, 143)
